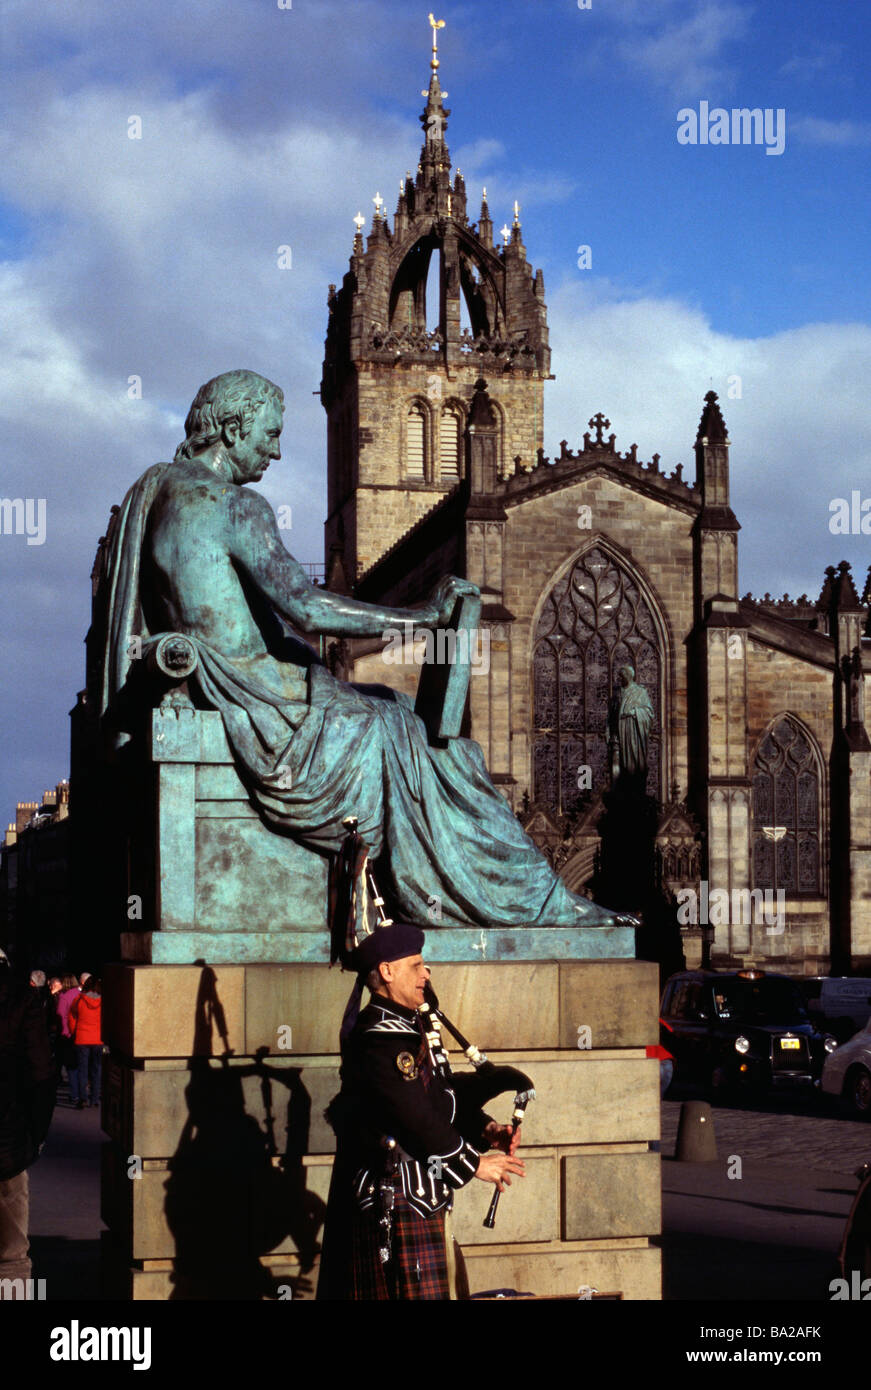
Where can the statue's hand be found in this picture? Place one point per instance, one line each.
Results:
(446, 593)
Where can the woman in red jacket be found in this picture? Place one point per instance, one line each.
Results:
(85, 1025)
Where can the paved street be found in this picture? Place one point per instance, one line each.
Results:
(773, 1233)
(65, 1205)
(789, 1130)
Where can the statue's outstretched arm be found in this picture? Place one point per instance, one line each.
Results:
(256, 546)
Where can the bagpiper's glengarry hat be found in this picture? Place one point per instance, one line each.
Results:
(384, 944)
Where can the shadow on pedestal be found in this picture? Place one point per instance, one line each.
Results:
(226, 1203)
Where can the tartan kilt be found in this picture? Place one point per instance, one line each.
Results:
(418, 1268)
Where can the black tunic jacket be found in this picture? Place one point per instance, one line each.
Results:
(392, 1086)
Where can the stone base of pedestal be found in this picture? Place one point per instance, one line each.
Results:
(217, 1165)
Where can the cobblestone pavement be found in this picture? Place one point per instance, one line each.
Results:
(785, 1131)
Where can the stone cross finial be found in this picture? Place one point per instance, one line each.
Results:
(359, 221)
(599, 424)
(505, 232)
(516, 213)
(379, 203)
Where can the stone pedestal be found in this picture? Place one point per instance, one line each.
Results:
(217, 1165)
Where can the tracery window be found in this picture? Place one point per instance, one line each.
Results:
(786, 810)
(451, 443)
(415, 444)
(594, 621)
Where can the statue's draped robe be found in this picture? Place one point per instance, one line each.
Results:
(455, 852)
(635, 720)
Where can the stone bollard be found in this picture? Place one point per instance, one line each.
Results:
(696, 1140)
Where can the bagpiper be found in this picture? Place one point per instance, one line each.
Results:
(409, 1134)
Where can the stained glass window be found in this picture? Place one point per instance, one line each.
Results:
(594, 621)
(786, 810)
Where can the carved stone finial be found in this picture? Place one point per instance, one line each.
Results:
(712, 427)
(844, 590)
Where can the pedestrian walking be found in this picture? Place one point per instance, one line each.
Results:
(85, 1022)
(69, 992)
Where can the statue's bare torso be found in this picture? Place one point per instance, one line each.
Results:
(192, 552)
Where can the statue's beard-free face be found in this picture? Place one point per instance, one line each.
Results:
(251, 454)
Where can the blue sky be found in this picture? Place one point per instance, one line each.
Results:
(264, 127)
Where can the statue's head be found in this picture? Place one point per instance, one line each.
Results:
(242, 411)
(627, 675)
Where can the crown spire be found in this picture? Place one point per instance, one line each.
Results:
(435, 158)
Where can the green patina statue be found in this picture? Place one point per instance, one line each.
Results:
(196, 552)
(631, 722)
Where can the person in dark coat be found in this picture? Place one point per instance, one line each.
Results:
(27, 1090)
(386, 1236)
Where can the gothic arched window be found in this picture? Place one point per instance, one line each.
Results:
(415, 442)
(451, 443)
(594, 620)
(786, 810)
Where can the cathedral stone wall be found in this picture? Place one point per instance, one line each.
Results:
(778, 681)
(387, 503)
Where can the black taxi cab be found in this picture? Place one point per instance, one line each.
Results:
(741, 1028)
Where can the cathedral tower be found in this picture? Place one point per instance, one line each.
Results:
(398, 390)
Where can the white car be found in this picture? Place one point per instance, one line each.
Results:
(847, 1073)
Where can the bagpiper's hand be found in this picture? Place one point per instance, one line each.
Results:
(497, 1168)
(502, 1137)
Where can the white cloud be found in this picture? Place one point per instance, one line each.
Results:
(647, 365)
(813, 130)
(808, 66)
(686, 55)
(478, 157)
